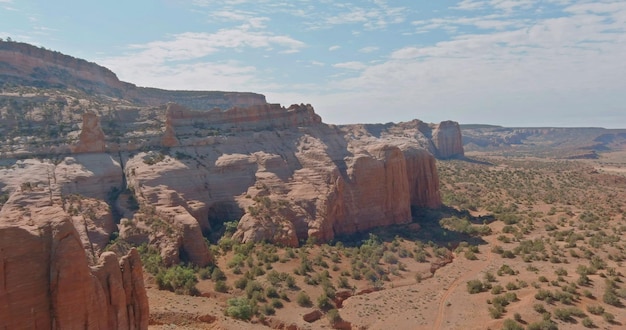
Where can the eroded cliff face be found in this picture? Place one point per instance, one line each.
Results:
(45, 276)
(283, 174)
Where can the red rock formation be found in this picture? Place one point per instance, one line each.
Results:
(91, 137)
(423, 178)
(254, 117)
(169, 136)
(46, 282)
(448, 140)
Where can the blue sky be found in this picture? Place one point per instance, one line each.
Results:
(504, 62)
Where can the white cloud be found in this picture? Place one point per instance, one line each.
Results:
(180, 60)
(369, 49)
(333, 48)
(192, 45)
(353, 65)
(533, 70)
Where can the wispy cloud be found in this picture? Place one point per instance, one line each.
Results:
(353, 65)
(369, 49)
(334, 48)
(557, 62)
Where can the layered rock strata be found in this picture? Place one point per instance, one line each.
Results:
(283, 174)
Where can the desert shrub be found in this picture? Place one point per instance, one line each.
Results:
(268, 309)
(543, 325)
(150, 259)
(303, 299)
(324, 302)
(204, 273)
(221, 286)
(497, 289)
(608, 317)
(252, 287)
(271, 292)
(610, 296)
(390, 258)
(218, 275)
(290, 281)
(241, 283)
(496, 312)
(567, 314)
(511, 325)
(240, 308)
(343, 283)
(179, 279)
(506, 269)
(333, 316)
(588, 323)
(512, 286)
(539, 308)
(489, 277)
(469, 255)
(475, 286)
(276, 303)
(560, 271)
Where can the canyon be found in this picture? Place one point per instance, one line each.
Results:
(91, 166)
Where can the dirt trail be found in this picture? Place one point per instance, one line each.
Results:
(452, 287)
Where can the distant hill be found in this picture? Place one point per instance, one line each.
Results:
(576, 142)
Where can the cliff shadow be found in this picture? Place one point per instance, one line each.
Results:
(223, 218)
(432, 229)
(425, 227)
(337, 147)
(473, 161)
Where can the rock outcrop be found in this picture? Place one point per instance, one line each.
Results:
(46, 281)
(91, 137)
(448, 140)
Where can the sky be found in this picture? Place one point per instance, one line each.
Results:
(503, 62)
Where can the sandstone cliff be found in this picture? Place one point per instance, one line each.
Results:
(283, 174)
(448, 140)
(45, 276)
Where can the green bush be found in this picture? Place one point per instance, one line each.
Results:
(240, 308)
(543, 325)
(179, 279)
(595, 310)
(303, 299)
(475, 286)
(323, 302)
(221, 286)
(511, 325)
